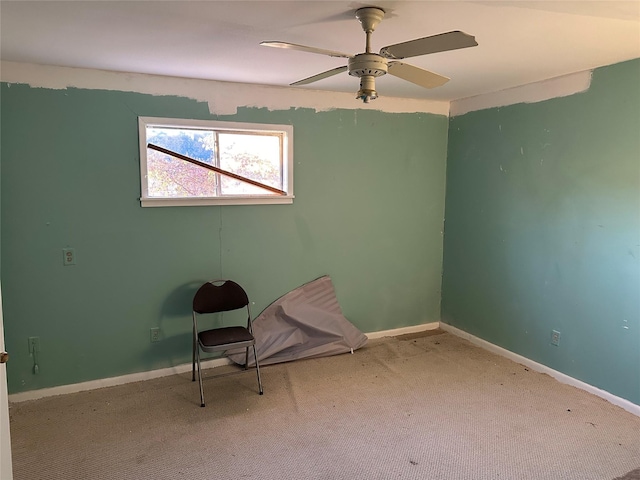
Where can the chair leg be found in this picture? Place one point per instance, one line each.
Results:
(200, 378)
(257, 369)
(246, 358)
(193, 355)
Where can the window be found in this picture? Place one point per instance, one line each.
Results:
(200, 162)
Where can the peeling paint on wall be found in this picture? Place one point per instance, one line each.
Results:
(531, 93)
(223, 98)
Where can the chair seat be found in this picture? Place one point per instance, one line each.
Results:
(225, 336)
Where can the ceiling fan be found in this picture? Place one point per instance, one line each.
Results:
(368, 65)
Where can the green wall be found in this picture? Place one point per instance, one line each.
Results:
(368, 212)
(542, 230)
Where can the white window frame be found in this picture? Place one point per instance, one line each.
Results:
(286, 132)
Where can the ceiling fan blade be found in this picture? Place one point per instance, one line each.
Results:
(416, 75)
(303, 48)
(433, 44)
(320, 76)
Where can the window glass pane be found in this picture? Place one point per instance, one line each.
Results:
(252, 156)
(168, 176)
(261, 153)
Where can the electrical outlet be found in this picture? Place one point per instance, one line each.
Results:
(155, 335)
(555, 337)
(34, 345)
(68, 256)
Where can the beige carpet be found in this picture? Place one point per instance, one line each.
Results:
(411, 407)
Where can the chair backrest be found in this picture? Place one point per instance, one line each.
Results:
(212, 298)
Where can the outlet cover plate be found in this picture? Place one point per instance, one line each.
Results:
(155, 335)
(68, 256)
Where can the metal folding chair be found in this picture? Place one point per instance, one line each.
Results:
(221, 296)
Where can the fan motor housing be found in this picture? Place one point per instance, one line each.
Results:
(370, 64)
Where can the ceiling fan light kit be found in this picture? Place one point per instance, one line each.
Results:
(367, 90)
(368, 65)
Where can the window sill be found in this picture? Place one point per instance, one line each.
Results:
(201, 202)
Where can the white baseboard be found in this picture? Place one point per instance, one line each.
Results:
(112, 381)
(538, 367)
(163, 372)
(404, 330)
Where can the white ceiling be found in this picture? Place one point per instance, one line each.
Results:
(519, 41)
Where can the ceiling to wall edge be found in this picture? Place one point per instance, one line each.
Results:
(226, 97)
